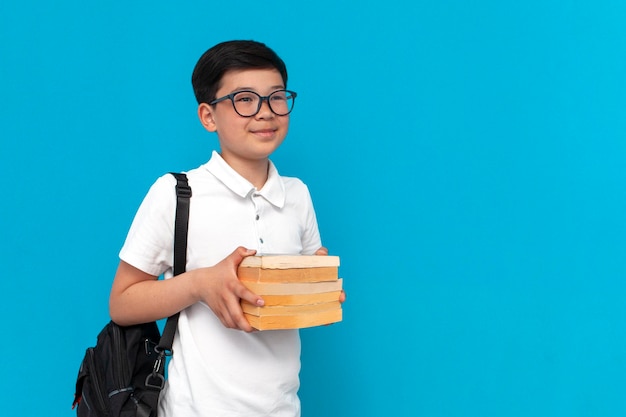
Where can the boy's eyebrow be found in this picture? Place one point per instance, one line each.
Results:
(273, 87)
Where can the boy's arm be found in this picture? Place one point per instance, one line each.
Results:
(138, 297)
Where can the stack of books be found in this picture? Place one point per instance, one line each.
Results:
(299, 290)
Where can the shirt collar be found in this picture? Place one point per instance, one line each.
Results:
(273, 190)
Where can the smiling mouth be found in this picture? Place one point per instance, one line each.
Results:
(264, 132)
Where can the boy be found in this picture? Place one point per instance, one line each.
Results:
(240, 206)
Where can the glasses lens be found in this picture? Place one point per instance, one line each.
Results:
(281, 102)
(246, 103)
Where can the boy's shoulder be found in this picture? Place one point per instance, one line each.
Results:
(296, 189)
(192, 174)
(292, 180)
(167, 182)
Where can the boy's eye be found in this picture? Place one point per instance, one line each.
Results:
(245, 97)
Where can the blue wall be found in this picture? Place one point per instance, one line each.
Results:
(466, 160)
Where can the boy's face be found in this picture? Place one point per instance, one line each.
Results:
(246, 139)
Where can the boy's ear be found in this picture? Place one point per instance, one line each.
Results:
(205, 114)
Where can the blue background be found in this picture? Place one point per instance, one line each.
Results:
(466, 160)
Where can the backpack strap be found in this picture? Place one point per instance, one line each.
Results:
(183, 194)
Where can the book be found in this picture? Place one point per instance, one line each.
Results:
(293, 288)
(289, 261)
(299, 291)
(299, 299)
(256, 274)
(295, 321)
(304, 309)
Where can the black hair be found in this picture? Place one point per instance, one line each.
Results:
(231, 55)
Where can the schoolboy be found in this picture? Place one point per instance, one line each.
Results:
(240, 206)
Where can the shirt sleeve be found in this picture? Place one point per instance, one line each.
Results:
(311, 240)
(149, 243)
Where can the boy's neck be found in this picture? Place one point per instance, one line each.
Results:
(255, 171)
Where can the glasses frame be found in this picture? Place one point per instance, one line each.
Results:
(231, 97)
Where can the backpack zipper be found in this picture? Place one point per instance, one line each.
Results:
(96, 382)
(122, 376)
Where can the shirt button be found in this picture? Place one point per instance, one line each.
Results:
(257, 217)
(261, 240)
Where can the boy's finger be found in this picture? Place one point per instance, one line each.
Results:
(239, 318)
(250, 297)
(240, 253)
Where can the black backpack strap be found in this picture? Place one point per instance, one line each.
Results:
(183, 194)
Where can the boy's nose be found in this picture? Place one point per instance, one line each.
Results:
(265, 111)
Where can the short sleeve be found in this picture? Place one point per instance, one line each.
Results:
(311, 240)
(149, 243)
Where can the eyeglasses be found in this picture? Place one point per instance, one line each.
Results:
(248, 103)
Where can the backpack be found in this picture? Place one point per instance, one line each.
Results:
(122, 376)
(115, 377)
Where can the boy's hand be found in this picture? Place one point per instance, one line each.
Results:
(322, 251)
(222, 291)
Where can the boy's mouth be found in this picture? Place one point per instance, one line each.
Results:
(264, 132)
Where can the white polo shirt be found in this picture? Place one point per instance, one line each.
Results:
(217, 371)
